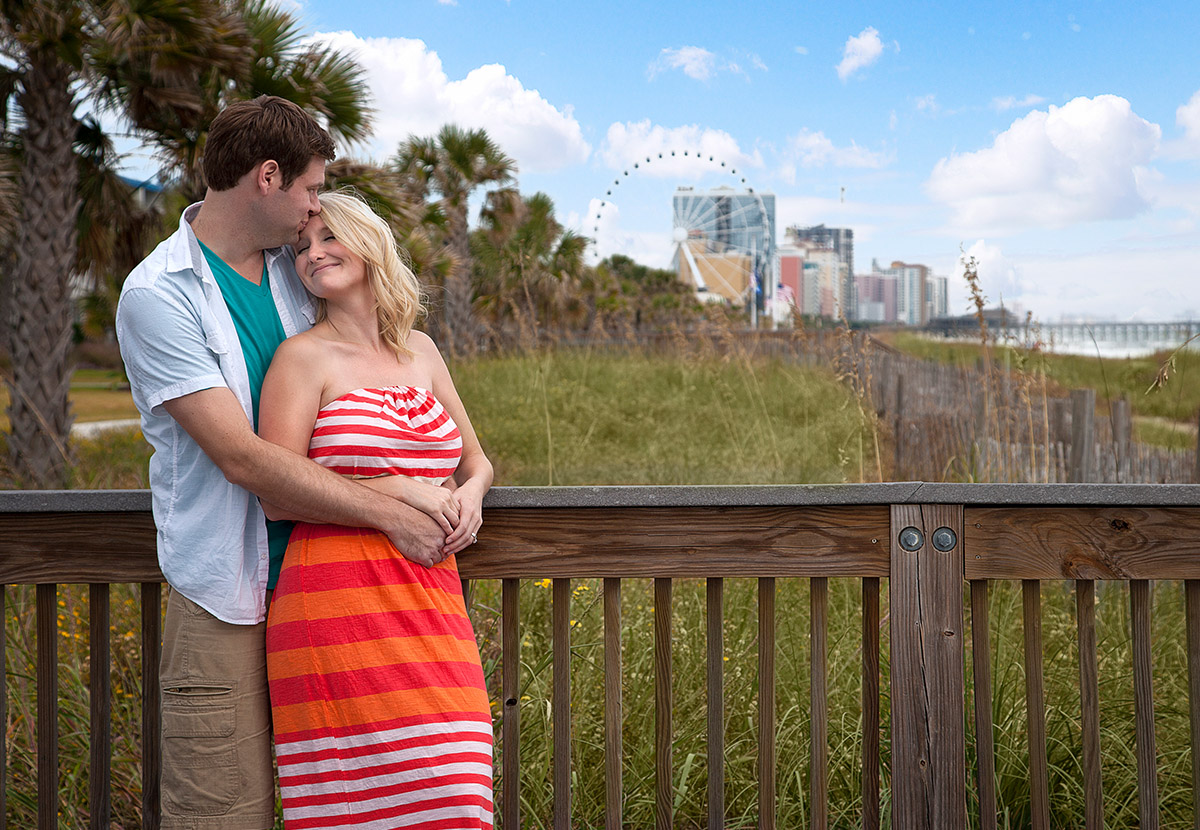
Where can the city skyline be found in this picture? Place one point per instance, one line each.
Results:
(1060, 145)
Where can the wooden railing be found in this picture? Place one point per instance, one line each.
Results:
(930, 541)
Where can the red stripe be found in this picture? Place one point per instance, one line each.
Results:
(357, 573)
(391, 812)
(368, 750)
(380, 726)
(373, 681)
(358, 628)
(333, 775)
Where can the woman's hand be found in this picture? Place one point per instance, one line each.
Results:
(469, 498)
(436, 502)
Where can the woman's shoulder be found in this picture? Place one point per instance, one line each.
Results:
(303, 348)
(422, 344)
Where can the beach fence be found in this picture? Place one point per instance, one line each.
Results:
(950, 423)
(924, 558)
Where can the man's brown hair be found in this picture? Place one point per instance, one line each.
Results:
(248, 133)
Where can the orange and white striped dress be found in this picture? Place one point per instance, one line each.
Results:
(380, 712)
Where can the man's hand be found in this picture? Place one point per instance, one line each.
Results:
(417, 536)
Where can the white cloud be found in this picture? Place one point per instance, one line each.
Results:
(814, 149)
(861, 51)
(414, 96)
(927, 103)
(999, 277)
(1076, 163)
(1188, 117)
(695, 61)
(630, 143)
(604, 228)
(1010, 102)
(699, 63)
(801, 50)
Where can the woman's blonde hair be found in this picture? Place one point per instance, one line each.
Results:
(366, 235)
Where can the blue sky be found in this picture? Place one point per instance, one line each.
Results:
(1057, 142)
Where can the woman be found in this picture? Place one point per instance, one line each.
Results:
(380, 713)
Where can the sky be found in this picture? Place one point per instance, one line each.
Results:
(1058, 143)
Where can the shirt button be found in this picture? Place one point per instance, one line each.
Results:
(263, 556)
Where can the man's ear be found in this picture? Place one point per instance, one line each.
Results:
(267, 175)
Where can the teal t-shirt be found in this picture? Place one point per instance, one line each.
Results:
(260, 332)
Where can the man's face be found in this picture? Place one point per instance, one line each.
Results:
(289, 209)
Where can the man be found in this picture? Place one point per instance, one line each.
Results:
(198, 322)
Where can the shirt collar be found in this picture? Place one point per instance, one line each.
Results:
(183, 248)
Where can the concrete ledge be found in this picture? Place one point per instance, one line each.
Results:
(815, 495)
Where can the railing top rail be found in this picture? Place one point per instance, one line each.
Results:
(812, 495)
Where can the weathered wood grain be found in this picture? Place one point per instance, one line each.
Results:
(928, 690)
(664, 734)
(47, 706)
(151, 706)
(561, 701)
(1192, 593)
(870, 703)
(715, 681)
(1082, 543)
(680, 542)
(1089, 703)
(77, 548)
(510, 729)
(1143, 705)
(1035, 704)
(985, 745)
(766, 703)
(3, 706)
(613, 709)
(100, 694)
(818, 760)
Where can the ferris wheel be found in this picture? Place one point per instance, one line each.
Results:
(722, 237)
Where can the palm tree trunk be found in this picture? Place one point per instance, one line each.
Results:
(39, 331)
(461, 327)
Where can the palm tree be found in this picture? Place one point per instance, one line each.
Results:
(529, 270)
(51, 49)
(453, 165)
(276, 61)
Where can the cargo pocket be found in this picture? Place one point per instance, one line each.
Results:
(200, 763)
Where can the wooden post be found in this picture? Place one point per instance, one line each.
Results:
(897, 464)
(928, 707)
(1196, 477)
(1083, 435)
(1122, 431)
(1058, 421)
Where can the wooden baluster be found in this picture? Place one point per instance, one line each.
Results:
(715, 636)
(561, 703)
(100, 692)
(1192, 591)
(510, 655)
(1089, 702)
(870, 703)
(819, 726)
(151, 705)
(663, 729)
(766, 703)
(47, 706)
(1143, 704)
(928, 690)
(985, 748)
(613, 709)
(1035, 704)
(3, 705)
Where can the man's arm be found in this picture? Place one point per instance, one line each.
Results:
(218, 424)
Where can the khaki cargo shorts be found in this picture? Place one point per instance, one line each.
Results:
(216, 718)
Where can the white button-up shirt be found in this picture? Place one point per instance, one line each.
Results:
(177, 337)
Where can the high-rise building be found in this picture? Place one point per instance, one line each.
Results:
(911, 290)
(840, 240)
(875, 296)
(937, 303)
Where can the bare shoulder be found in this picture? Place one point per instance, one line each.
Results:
(424, 349)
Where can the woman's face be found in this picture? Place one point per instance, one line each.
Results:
(325, 266)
